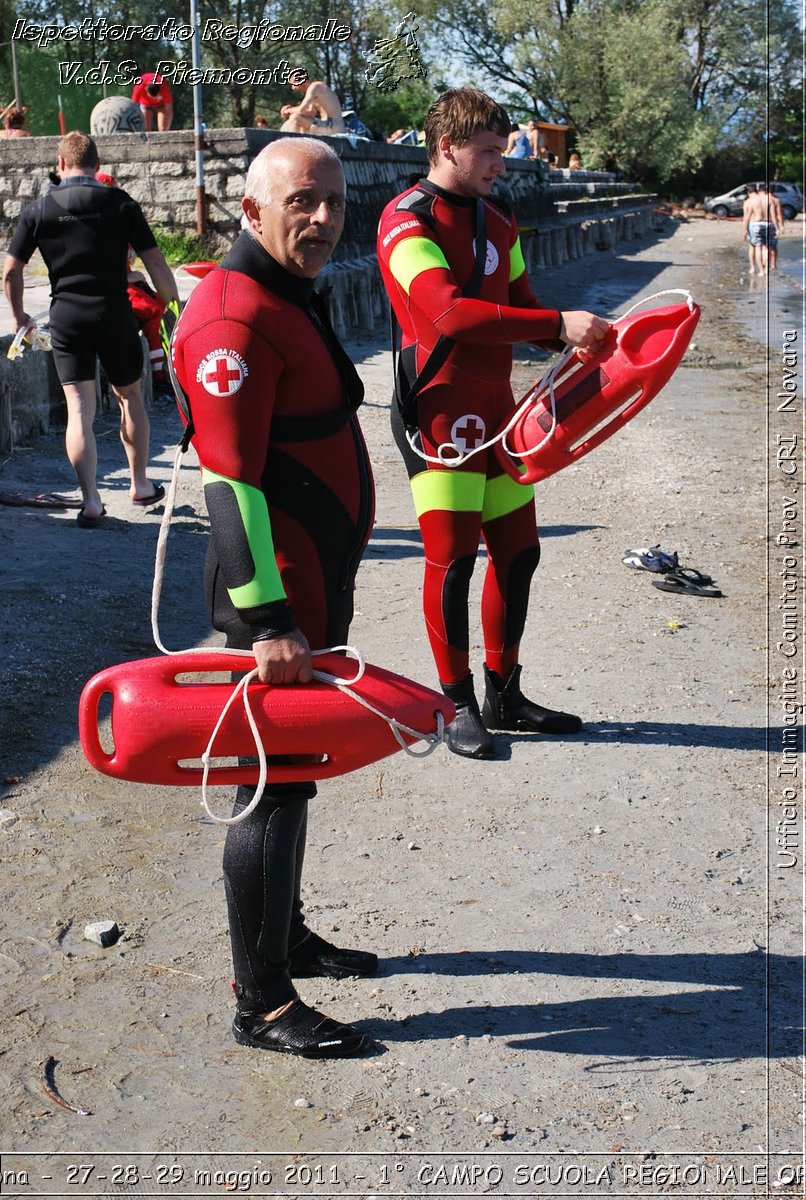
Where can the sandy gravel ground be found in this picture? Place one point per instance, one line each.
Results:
(589, 950)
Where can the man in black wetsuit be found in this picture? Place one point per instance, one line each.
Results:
(288, 486)
(83, 230)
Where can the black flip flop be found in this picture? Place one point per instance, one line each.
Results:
(687, 581)
(85, 522)
(157, 494)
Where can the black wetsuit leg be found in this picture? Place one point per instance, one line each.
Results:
(262, 866)
(263, 859)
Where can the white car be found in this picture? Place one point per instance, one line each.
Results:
(730, 204)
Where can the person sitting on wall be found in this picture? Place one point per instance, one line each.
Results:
(320, 105)
(294, 121)
(574, 162)
(153, 95)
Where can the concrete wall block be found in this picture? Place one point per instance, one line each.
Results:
(604, 235)
(13, 207)
(185, 211)
(27, 187)
(558, 246)
(234, 186)
(123, 171)
(546, 249)
(573, 241)
(161, 192)
(168, 170)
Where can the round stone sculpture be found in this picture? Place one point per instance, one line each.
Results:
(116, 114)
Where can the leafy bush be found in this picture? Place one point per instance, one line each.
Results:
(179, 247)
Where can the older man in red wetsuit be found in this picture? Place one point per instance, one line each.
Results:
(288, 487)
(427, 253)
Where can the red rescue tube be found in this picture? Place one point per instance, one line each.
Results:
(161, 724)
(596, 397)
(199, 269)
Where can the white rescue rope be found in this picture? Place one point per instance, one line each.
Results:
(432, 740)
(449, 454)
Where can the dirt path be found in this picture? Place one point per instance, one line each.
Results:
(584, 952)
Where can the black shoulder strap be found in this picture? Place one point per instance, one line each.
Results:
(405, 393)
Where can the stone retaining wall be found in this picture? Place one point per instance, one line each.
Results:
(159, 172)
(577, 213)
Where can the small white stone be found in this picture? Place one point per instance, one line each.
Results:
(485, 1118)
(302, 1102)
(103, 933)
(7, 818)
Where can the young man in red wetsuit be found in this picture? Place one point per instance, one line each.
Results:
(288, 486)
(426, 250)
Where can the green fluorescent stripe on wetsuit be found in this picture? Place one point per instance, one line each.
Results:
(412, 256)
(503, 495)
(468, 491)
(266, 584)
(448, 491)
(517, 266)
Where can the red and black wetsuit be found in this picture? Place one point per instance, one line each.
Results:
(426, 250)
(288, 487)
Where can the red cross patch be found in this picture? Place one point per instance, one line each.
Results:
(468, 432)
(222, 372)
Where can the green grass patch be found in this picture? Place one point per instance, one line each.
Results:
(178, 247)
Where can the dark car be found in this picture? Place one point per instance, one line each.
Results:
(730, 204)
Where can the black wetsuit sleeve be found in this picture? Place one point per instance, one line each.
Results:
(140, 235)
(23, 241)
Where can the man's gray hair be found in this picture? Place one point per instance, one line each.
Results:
(259, 176)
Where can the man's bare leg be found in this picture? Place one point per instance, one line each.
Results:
(135, 430)
(79, 441)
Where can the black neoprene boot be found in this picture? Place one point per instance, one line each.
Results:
(466, 733)
(506, 707)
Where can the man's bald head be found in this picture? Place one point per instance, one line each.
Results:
(266, 167)
(294, 203)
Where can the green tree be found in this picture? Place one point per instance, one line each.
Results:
(660, 84)
(624, 77)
